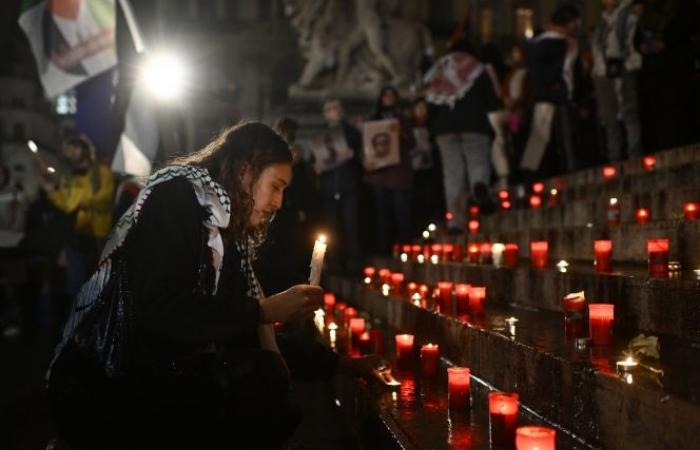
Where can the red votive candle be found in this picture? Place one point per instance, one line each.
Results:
(445, 296)
(649, 162)
(609, 172)
(457, 253)
(535, 438)
(538, 187)
(506, 205)
(473, 226)
(404, 350)
(369, 271)
(503, 418)
(602, 250)
(462, 291)
(510, 255)
(406, 248)
(357, 326)
(396, 280)
(539, 253)
(436, 249)
(429, 355)
(349, 313)
(474, 211)
(642, 215)
(691, 210)
(340, 307)
(477, 295)
(458, 387)
(385, 275)
(485, 251)
(473, 253)
(658, 257)
(503, 194)
(447, 250)
(415, 251)
(411, 288)
(329, 300)
(364, 341)
(535, 201)
(574, 306)
(600, 319)
(377, 342)
(423, 289)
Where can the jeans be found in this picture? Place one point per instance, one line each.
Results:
(466, 161)
(393, 212)
(618, 97)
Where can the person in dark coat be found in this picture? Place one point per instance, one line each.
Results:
(170, 344)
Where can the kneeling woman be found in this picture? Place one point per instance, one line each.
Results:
(170, 343)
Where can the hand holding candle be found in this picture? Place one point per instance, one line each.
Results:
(317, 260)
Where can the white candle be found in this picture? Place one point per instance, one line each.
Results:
(497, 253)
(317, 260)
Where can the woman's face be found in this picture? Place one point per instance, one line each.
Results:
(268, 191)
(388, 98)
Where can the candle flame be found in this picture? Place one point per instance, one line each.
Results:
(322, 238)
(432, 227)
(613, 201)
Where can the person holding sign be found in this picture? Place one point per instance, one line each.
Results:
(170, 343)
(387, 142)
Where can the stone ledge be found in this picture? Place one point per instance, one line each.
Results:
(573, 390)
(658, 306)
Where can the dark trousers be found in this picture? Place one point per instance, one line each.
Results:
(393, 213)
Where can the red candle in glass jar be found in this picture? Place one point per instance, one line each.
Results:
(503, 418)
(503, 194)
(329, 300)
(600, 318)
(406, 248)
(473, 226)
(658, 257)
(385, 275)
(377, 342)
(340, 307)
(506, 205)
(602, 250)
(575, 302)
(474, 211)
(396, 280)
(477, 295)
(473, 253)
(485, 251)
(609, 172)
(415, 251)
(369, 271)
(411, 288)
(429, 356)
(404, 350)
(449, 216)
(364, 341)
(538, 188)
(349, 313)
(357, 326)
(574, 306)
(649, 162)
(458, 388)
(535, 201)
(423, 289)
(535, 438)
(457, 252)
(691, 210)
(510, 255)
(445, 296)
(642, 215)
(462, 291)
(539, 253)
(447, 250)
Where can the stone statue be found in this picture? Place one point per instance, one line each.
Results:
(357, 46)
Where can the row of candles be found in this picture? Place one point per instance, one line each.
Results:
(506, 255)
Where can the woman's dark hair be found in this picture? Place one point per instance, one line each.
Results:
(564, 15)
(287, 128)
(379, 107)
(247, 145)
(82, 142)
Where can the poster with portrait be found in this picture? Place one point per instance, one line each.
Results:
(330, 150)
(422, 152)
(381, 143)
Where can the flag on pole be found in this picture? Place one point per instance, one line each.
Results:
(72, 40)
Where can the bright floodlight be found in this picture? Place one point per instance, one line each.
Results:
(32, 146)
(164, 75)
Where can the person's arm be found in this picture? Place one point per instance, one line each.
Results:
(164, 257)
(101, 199)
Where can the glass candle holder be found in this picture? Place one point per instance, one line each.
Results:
(535, 438)
(538, 187)
(447, 250)
(613, 211)
(473, 253)
(385, 275)
(458, 388)
(600, 318)
(485, 253)
(357, 327)
(415, 251)
(642, 215)
(473, 226)
(474, 211)
(574, 306)
(506, 205)
(649, 163)
(429, 357)
(329, 300)
(364, 342)
(503, 418)
(349, 313)
(404, 350)
(503, 194)
(657, 250)
(462, 291)
(609, 172)
(691, 210)
(510, 255)
(397, 280)
(603, 251)
(539, 254)
(445, 296)
(497, 254)
(477, 295)
(535, 201)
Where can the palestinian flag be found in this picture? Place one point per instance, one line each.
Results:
(72, 40)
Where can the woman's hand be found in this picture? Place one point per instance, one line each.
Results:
(297, 302)
(368, 367)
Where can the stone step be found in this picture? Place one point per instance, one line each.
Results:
(629, 241)
(574, 388)
(667, 307)
(664, 205)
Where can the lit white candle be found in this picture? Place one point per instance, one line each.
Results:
(497, 253)
(317, 260)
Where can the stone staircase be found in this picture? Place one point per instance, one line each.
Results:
(564, 379)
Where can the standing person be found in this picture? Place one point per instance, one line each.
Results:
(616, 65)
(551, 58)
(190, 359)
(516, 94)
(340, 189)
(665, 40)
(428, 194)
(86, 193)
(392, 186)
(461, 95)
